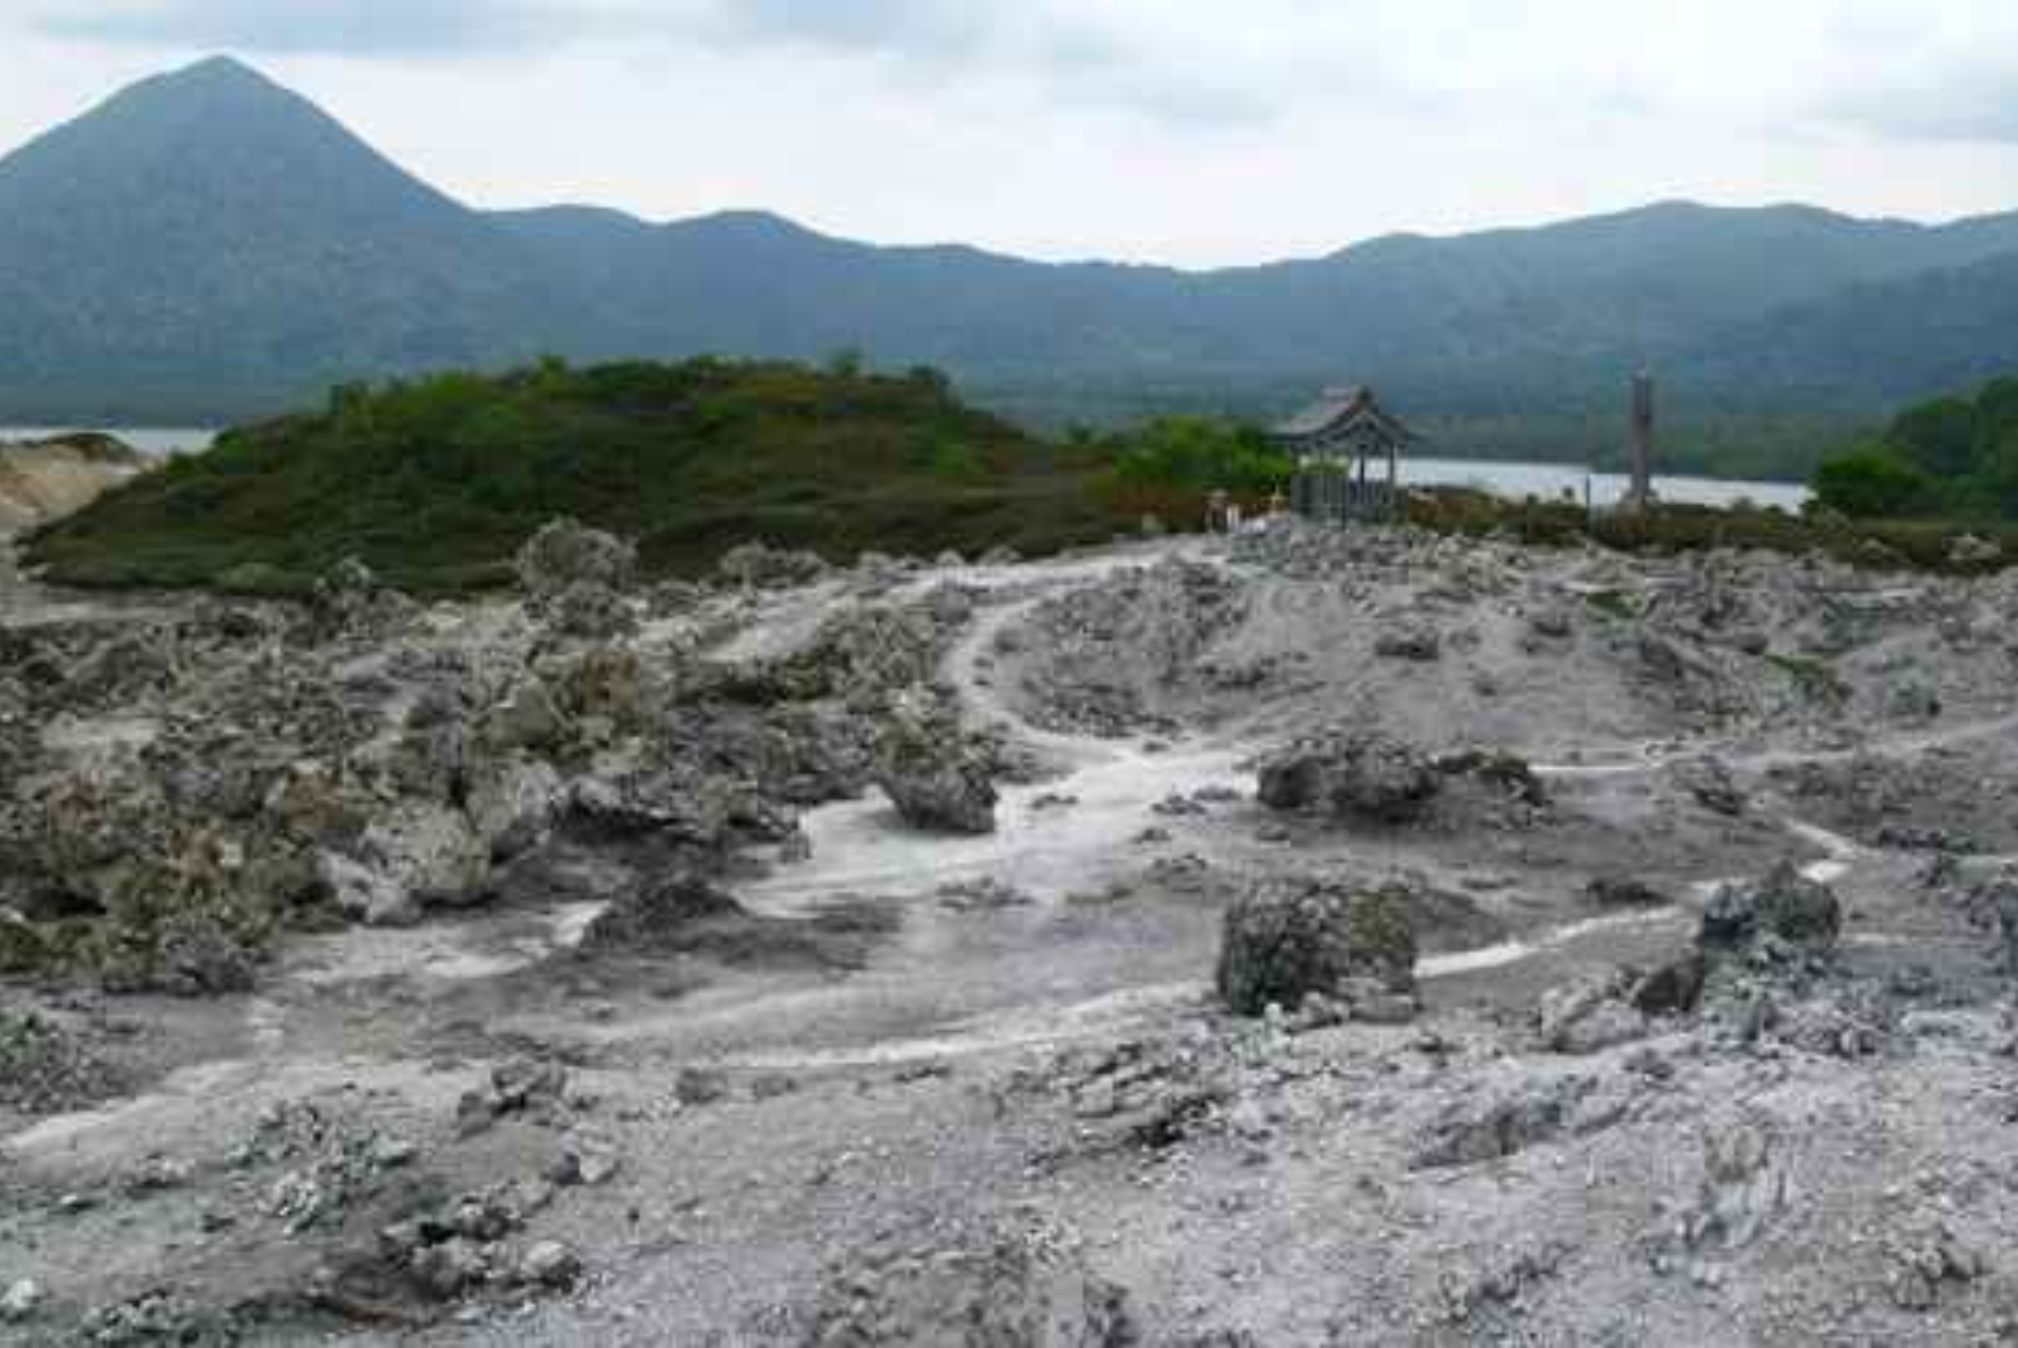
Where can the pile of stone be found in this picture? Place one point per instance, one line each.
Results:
(465, 1246)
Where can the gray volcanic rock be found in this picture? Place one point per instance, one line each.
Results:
(1417, 643)
(1491, 1125)
(1708, 779)
(1287, 940)
(349, 601)
(758, 565)
(1784, 904)
(566, 553)
(1995, 901)
(1590, 1016)
(430, 851)
(45, 1068)
(932, 774)
(1625, 892)
(665, 908)
(1366, 775)
(576, 579)
(1004, 1289)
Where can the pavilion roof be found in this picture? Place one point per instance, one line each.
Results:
(1339, 407)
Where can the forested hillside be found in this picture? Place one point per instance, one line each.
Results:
(207, 245)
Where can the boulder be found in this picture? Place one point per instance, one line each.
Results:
(525, 718)
(1506, 773)
(1743, 1189)
(1996, 900)
(22, 948)
(1553, 622)
(566, 554)
(1286, 940)
(1673, 989)
(365, 895)
(430, 851)
(1415, 643)
(933, 776)
(1362, 775)
(1590, 1016)
(1619, 891)
(1709, 780)
(666, 908)
(576, 580)
(1784, 904)
(590, 611)
(1493, 1123)
(349, 600)
(513, 807)
(757, 565)
(1969, 550)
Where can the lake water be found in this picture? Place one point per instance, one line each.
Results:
(1548, 481)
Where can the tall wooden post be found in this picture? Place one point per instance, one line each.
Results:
(1642, 493)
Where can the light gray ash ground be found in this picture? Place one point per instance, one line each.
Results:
(556, 970)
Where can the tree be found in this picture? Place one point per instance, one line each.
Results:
(1202, 453)
(1938, 437)
(1996, 417)
(1995, 485)
(1871, 481)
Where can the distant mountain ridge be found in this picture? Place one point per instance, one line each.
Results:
(207, 243)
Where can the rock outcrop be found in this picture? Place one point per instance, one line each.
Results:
(577, 578)
(1784, 905)
(1286, 941)
(1366, 776)
(932, 774)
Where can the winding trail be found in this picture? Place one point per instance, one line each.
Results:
(1060, 837)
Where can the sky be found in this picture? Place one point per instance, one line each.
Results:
(1170, 131)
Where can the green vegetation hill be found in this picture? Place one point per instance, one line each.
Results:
(207, 245)
(436, 482)
(1954, 458)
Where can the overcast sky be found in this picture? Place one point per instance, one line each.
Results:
(1175, 131)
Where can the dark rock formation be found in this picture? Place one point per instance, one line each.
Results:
(1366, 775)
(1785, 904)
(1286, 940)
(933, 775)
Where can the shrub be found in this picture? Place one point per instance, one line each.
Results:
(1871, 482)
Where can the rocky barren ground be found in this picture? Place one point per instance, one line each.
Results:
(1310, 938)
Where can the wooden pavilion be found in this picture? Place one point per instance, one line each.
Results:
(1348, 457)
